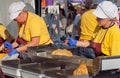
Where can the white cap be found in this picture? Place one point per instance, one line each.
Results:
(106, 9)
(15, 8)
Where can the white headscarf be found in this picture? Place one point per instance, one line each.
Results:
(106, 9)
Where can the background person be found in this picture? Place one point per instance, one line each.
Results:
(76, 23)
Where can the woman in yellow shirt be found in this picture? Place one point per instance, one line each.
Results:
(4, 36)
(87, 27)
(108, 33)
(32, 29)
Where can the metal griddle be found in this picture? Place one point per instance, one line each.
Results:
(46, 51)
(40, 50)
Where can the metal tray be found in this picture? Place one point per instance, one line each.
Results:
(73, 59)
(12, 67)
(40, 67)
(16, 63)
(108, 74)
(39, 70)
(36, 70)
(63, 74)
(105, 63)
(32, 51)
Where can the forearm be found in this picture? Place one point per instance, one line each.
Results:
(24, 47)
(83, 43)
(1, 47)
(15, 44)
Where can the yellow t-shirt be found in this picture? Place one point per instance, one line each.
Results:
(4, 36)
(110, 39)
(111, 43)
(99, 34)
(88, 25)
(2, 32)
(35, 26)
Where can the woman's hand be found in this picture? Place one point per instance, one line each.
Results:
(12, 52)
(7, 45)
(72, 42)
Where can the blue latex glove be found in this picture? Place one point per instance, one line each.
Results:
(72, 42)
(12, 52)
(8, 45)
